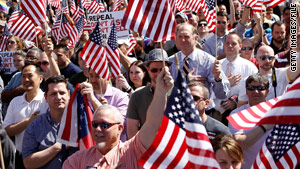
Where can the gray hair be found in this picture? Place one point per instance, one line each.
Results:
(36, 50)
(117, 114)
(257, 77)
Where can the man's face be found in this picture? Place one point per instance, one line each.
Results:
(200, 101)
(232, 46)
(96, 81)
(31, 56)
(286, 16)
(222, 8)
(247, 50)
(278, 33)
(106, 138)
(264, 61)
(185, 39)
(18, 61)
(57, 96)
(202, 27)
(179, 20)
(44, 63)
(222, 23)
(256, 96)
(84, 36)
(154, 69)
(61, 56)
(269, 11)
(31, 80)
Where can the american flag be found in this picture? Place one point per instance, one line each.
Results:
(94, 8)
(153, 19)
(209, 11)
(23, 27)
(272, 3)
(61, 28)
(4, 38)
(36, 10)
(132, 43)
(117, 4)
(55, 3)
(113, 53)
(63, 7)
(14, 16)
(76, 32)
(181, 141)
(94, 54)
(72, 6)
(250, 3)
(257, 8)
(281, 148)
(76, 123)
(284, 111)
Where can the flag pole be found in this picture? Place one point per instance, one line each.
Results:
(1, 155)
(216, 31)
(162, 53)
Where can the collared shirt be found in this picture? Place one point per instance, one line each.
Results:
(210, 45)
(123, 155)
(40, 135)
(239, 66)
(19, 109)
(120, 100)
(203, 62)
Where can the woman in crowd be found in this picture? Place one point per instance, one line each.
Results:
(13, 43)
(247, 51)
(138, 77)
(228, 152)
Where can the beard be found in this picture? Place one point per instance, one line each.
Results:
(278, 40)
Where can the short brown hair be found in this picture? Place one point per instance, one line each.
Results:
(231, 147)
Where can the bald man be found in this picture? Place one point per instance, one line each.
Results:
(266, 59)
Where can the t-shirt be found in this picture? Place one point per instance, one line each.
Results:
(70, 70)
(214, 127)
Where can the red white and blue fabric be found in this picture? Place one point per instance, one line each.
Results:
(117, 4)
(4, 38)
(94, 54)
(257, 8)
(281, 148)
(250, 3)
(36, 10)
(181, 141)
(209, 11)
(272, 3)
(23, 27)
(284, 111)
(61, 28)
(14, 16)
(94, 8)
(152, 18)
(76, 32)
(76, 123)
(132, 43)
(113, 53)
(72, 6)
(55, 3)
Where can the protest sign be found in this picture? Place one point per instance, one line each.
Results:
(6, 62)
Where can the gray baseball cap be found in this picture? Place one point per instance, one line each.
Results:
(182, 15)
(155, 55)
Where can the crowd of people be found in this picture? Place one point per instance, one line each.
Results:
(226, 72)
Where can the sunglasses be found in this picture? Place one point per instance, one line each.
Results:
(196, 98)
(11, 42)
(221, 22)
(266, 57)
(179, 21)
(155, 70)
(103, 125)
(246, 48)
(202, 24)
(43, 63)
(259, 88)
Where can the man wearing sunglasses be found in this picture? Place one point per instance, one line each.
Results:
(203, 32)
(108, 151)
(40, 149)
(257, 89)
(200, 94)
(141, 99)
(222, 21)
(279, 78)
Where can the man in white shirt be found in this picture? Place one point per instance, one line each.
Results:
(23, 109)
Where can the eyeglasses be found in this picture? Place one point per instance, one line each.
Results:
(11, 42)
(43, 63)
(202, 24)
(259, 88)
(196, 98)
(266, 57)
(28, 57)
(246, 48)
(155, 70)
(179, 21)
(221, 22)
(103, 125)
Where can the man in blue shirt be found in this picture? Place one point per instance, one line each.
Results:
(40, 149)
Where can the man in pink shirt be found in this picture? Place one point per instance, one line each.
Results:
(109, 151)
